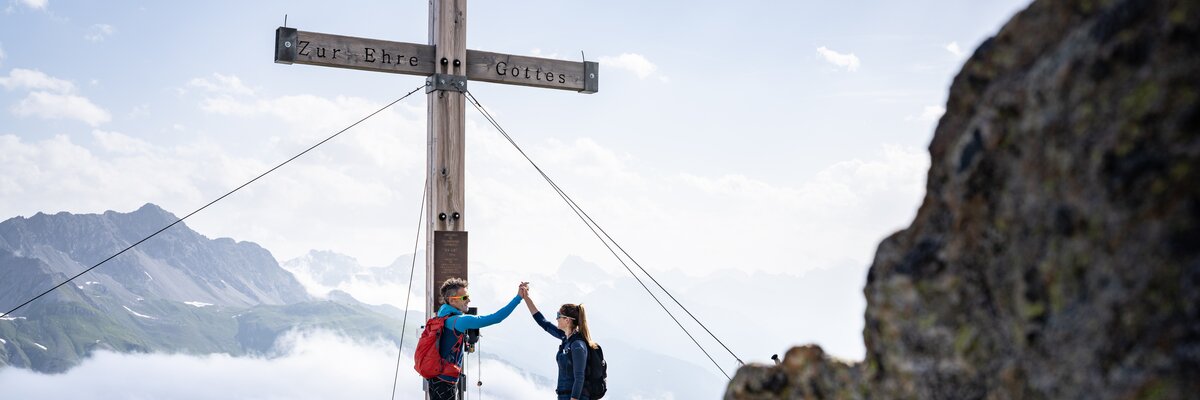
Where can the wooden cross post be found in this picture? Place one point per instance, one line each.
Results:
(448, 66)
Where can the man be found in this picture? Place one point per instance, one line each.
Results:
(455, 299)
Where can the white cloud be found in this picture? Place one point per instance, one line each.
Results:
(848, 61)
(99, 32)
(20, 78)
(35, 4)
(635, 63)
(538, 53)
(840, 187)
(223, 84)
(357, 191)
(586, 157)
(226, 105)
(61, 106)
(361, 176)
(954, 49)
(840, 214)
(25, 169)
(116, 142)
(898, 168)
(51, 98)
(2, 55)
(929, 114)
(303, 366)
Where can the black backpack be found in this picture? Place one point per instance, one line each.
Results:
(595, 375)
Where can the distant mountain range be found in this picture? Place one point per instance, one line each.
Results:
(178, 292)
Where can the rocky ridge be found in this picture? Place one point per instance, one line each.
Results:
(179, 292)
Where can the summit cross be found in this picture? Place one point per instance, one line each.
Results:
(448, 66)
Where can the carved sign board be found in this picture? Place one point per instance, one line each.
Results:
(300, 47)
(449, 257)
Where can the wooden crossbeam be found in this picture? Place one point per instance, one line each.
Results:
(294, 46)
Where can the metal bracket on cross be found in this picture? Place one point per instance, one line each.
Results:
(445, 82)
(285, 45)
(591, 77)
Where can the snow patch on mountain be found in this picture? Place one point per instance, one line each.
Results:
(136, 314)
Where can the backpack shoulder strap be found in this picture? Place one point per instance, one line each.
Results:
(458, 343)
(580, 338)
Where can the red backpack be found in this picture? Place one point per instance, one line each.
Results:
(429, 361)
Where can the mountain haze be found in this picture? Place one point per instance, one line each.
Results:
(177, 292)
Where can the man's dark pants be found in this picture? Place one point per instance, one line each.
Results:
(442, 390)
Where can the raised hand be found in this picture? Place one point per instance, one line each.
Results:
(524, 291)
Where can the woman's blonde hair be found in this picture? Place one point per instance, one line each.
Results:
(579, 315)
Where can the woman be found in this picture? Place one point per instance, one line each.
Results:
(572, 329)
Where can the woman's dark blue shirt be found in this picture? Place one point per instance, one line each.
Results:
(572, 358)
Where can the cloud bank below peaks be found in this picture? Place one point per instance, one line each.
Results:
(312, 365)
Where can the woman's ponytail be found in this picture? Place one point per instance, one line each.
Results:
(576, 312)
(583, 327)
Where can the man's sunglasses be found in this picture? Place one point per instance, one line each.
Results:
(464, 297)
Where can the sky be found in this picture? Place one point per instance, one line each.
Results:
(758, 137)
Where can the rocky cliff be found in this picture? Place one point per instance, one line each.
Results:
(1056, 254)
